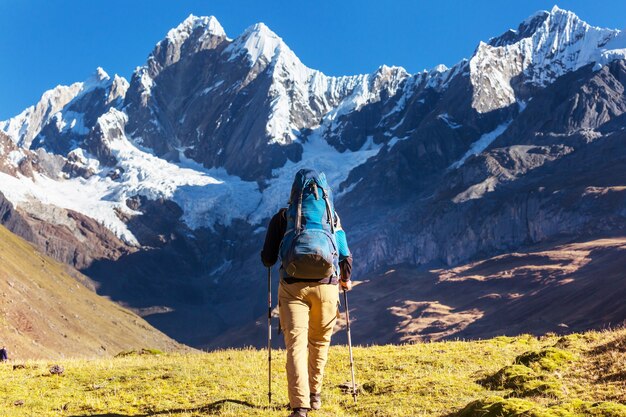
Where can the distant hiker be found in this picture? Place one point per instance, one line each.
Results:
(3, 354)
(314, 259)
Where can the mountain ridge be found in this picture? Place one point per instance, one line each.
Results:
(185, 164)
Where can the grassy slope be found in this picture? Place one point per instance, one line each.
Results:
(45, 313)
(426, 379)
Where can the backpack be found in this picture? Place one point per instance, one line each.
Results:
(309, 248)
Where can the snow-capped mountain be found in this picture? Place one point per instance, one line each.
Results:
(66, 113)
(90, 122)
(160, 188)
(205, 114)
(546, 46)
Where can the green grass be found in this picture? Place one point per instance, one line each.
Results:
(445, 379)
(548, 359)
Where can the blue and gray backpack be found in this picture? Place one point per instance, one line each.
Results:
(309, 248)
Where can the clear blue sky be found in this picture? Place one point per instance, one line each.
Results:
(48, 42)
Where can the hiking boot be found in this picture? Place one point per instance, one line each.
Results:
(316, 401)
(299, 412)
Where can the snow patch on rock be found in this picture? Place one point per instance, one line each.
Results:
(447, 119)
(86, 196)
(319, 155)
(206, 196)
(481, 144)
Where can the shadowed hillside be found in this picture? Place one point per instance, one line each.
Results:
(46, 313)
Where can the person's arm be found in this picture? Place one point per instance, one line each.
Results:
(345, 257)
(273, 237)
(345, 266)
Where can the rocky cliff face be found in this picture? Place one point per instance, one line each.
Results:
(237, 104)
(160, 188)
(530, 185)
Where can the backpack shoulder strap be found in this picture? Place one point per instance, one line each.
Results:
(298, 219)
(329, 211)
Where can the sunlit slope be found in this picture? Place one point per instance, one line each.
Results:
(553, 287)
(46, 313)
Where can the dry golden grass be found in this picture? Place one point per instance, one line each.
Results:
(427, 379)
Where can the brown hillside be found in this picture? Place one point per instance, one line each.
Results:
(561, 288)
(46, 313)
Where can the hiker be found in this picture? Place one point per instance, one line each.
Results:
(308, 296)
(3, 354)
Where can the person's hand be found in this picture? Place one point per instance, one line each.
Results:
(345, 285)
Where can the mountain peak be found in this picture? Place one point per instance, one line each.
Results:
(543, 23)
(210, 24)
(99, 77)
(545, 46)
(258, 41)
(192, 35)
(560, 17)
(260, 29)
(526, 29)
(557, 10)
(101, 74)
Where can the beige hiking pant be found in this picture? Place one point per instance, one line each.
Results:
(308, 311)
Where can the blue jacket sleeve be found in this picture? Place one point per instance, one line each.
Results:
(345, 257)
(342, 245)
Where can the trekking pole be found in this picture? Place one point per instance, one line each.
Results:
(345, 299)
(269, 333)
